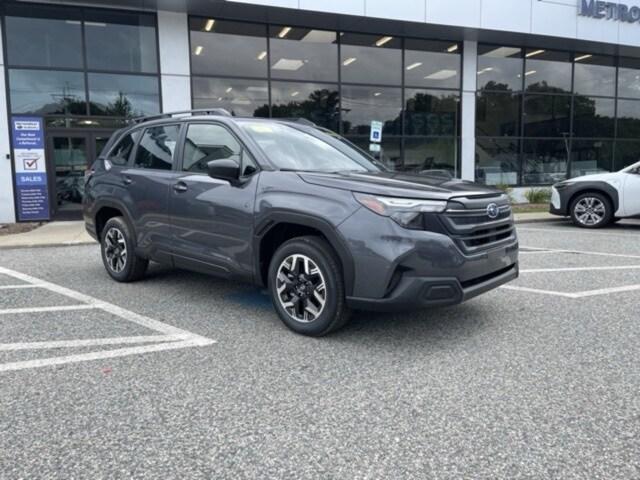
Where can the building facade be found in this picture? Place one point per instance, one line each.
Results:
(519, 93)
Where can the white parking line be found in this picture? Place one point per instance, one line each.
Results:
(588, 293)
(14, 287)
(580, 269)
(59, 308)
(10, 347)
(578, 252)
(100, 355)
(171, 337)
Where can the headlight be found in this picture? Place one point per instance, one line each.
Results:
(404, 211)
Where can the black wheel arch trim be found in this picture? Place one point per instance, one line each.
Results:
(275, 218)
(568, 194)
(117, 205)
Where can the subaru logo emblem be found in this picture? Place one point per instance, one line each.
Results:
(492, 210)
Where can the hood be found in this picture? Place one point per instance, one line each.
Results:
(598, 177)
(399, 184)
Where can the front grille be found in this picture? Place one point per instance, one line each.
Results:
(473, 230)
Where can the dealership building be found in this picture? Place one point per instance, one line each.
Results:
(518, 93)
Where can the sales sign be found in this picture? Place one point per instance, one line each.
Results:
(31, 168)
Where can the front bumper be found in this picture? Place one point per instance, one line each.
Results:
(400, 269)
(422, 292)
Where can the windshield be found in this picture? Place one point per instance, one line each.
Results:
(291, 148)
(631, 167)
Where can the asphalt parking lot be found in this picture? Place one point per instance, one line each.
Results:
(186, 376)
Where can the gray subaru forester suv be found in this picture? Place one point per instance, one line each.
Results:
(297, 209)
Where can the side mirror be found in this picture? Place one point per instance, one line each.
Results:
(224, 169)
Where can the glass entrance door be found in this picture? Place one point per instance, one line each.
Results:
(69, 154)
(69, 157)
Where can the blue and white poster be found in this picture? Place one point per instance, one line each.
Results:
(30, 168)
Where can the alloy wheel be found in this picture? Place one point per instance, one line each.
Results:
(115, 250)
(590, 211)
(301, 288)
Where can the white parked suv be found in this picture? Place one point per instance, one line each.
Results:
(594, 201)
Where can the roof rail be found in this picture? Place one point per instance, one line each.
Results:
(200, 111)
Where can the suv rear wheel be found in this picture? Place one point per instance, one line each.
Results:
(306, 286)
(591, 210)
(118, 253)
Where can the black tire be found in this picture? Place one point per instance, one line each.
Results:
(605, 215)
(334, 314)
(130, 268)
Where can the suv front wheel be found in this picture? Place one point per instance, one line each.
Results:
(307, 288)
(118, 252)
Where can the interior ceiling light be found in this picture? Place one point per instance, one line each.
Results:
(534, 53)
(198, 50)
(583, 57)
(209, 25)
(502, 52)
(485, 70)
(228, 90)
(452, 48)
(530, 72)
(284, 32)
(262, 55)
(414, 65)
(295, 94)
(349, 61)
(441, 75)
(381, 41)
(288, 64)
(319, 36)
(377, 94)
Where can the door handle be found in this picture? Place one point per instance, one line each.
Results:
(180, 187)
(127, 180)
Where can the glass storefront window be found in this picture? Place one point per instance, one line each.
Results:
(627, 153)
(629, 78)
(431, 155)
(497, 114)
(499, 68)
(221, 47)
(629, 119)
(303, 54)
(43, 37)
(362, 105)
(593, 117)
(123, 95)
(594, 75)
(591, 156)
(547, 115)
(43, 92)
(389, 150)
(432, 112)
(371, 59)
(243, 98)
(317, 102)
(432, 64)
(497, 161)
(547, 71)
(121, 41)
(544, 162)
